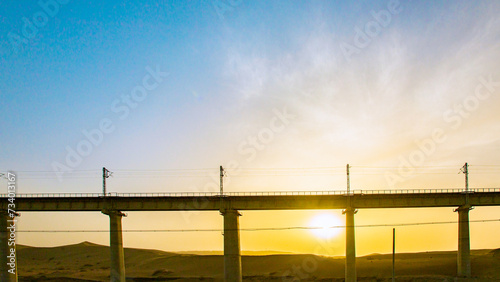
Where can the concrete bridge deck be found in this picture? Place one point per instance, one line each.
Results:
(112, 204)
(359, 199)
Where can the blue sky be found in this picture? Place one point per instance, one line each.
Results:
(232, 70)
(222, 71)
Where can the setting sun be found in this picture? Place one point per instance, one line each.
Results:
(325, 225)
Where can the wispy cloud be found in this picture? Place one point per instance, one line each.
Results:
(393, 92)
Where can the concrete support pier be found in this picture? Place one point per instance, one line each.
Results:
(232, 253)
(350, 245)
(116, 245)
(463, 254)
(8, 255)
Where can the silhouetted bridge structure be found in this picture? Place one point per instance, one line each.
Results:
(229, 205)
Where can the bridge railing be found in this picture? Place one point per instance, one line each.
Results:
(261, 193)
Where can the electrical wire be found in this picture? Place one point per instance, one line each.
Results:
(258, 229)
(249, 172)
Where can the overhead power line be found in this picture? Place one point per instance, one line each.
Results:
(258, 228)
(361, 170)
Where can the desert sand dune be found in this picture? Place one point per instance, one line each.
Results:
(90, 262)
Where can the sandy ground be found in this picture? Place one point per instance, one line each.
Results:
(90, 262)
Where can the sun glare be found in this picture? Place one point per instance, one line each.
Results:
(322, 224)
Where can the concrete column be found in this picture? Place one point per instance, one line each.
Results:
(8, 255)
(463, 255)
(116, 245)
(350, 246)
(232, 254)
